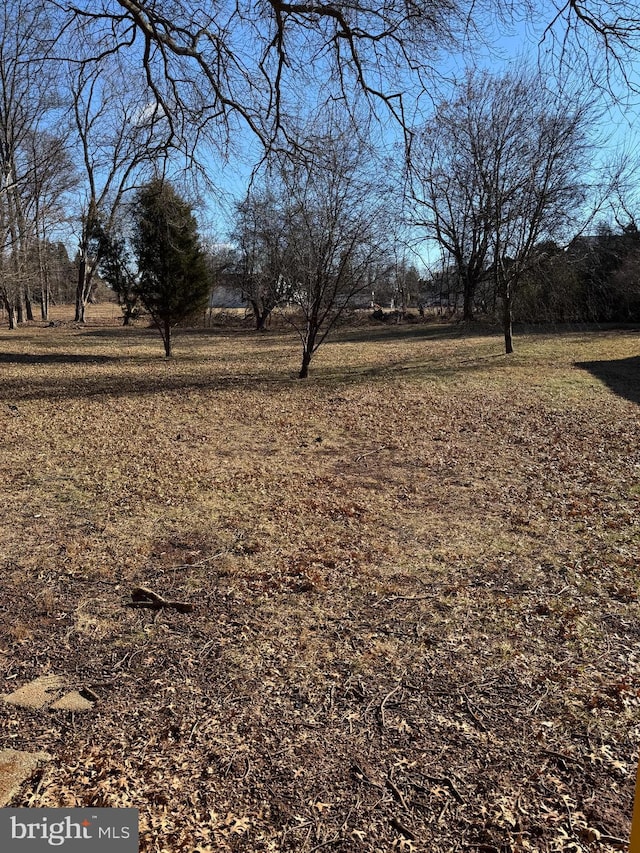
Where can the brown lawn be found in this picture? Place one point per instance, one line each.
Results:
(415, 580)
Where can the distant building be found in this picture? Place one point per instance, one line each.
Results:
(227, 292)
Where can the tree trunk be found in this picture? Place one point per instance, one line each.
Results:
(262, 319)
(10, 309)
(467, 300)
(28, 306)
(257, 316)
(260, 314)
(306, 361)
(81, 300)
(43, 277)
(507, 321)
(307, 350)
(44, 301)
(166, 337)
(80, 306)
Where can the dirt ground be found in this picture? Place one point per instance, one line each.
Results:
(414, 579)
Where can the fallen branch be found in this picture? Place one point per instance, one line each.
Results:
(560, 756)
(142, 596)
(611, 839)
(397, 793)
(364, 773)
(334, 840)
(402, 829)
(403, 598)
(467, 706)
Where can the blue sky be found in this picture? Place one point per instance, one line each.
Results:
(505, 47)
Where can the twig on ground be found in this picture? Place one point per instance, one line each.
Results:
(560, 756)
(364, 773)
(401, 828)
(611, 839)
(370, 452)
(205, 648)
(397, 793)
(384, 702)
(565, 799)
(334, 840)
(472, 714)
(444, 780)
(536, 705)
(142, 596)
(403, 598)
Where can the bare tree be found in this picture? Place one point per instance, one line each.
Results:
(515, 175)
(214, 67)
(28, 97)
(598, 38)
(540, 144)
(262, 235)
(334, 211)
(118, 138)
(448, 193)
(51, 178)
(405, 284)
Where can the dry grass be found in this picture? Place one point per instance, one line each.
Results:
(415, 579)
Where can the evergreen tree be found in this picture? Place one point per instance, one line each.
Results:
(115, 269)
(173, 282)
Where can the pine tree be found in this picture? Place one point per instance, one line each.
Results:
(173, 282)
(115, 270)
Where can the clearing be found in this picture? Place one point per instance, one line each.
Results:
(414, 579)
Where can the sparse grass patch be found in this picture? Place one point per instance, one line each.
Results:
(415, 579)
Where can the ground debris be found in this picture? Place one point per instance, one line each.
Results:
(464, 660)
(142, 596)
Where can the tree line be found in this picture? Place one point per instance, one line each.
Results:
(495, 182)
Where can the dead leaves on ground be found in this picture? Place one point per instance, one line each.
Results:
(442, 593)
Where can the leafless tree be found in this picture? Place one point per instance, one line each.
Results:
(262, 235)
(118, 139)
(516, 174)
(449, 196)
(334, 215)
(540, 144)
(211, 68)
(599, 37)
(51, 178)
(214, 67)
(28, 100)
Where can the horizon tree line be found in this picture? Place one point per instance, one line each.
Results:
(80, 134)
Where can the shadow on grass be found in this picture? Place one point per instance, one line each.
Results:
(132, 336)
(149, 376)
(115, 385)
(53, 358)
(622, 375)
(129, 375)
(410, 331)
